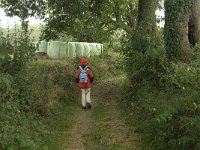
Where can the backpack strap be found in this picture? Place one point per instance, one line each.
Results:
(82, 68)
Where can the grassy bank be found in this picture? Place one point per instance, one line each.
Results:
(35, 104)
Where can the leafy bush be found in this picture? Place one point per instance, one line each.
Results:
(162, 98)
(27, 99)
(150, 66)
(165, 102)
(6, 88)
(28, 92)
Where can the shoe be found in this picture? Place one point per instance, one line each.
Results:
(89, 105)
(83, 107)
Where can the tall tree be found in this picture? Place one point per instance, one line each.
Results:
(141, 58)
(145, 31)
(196, 20)
(147, 17)
(176, 29)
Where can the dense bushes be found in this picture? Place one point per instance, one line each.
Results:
(27, 99)
(172, 113)
(29, 91)
(164, 100)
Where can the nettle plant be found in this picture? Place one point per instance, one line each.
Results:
(15, 50)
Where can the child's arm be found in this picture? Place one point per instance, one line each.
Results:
(77, 75)
(90, 75)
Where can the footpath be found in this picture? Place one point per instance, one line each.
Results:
(102, 127)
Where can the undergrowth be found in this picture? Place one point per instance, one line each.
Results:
(161, 101)
(33, 103)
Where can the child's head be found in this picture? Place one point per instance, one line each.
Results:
(83, 61)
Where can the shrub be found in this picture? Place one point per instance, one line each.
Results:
(28, 91)
(168, 115)
(163, 97)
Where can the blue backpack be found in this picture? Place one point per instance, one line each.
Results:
(83, 75)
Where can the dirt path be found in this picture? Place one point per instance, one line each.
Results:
(80, 130)
(119, 137)
(106, 131)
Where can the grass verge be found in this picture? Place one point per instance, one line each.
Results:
(59, 125)
(97, 137)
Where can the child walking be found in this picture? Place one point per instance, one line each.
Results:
(84, 78)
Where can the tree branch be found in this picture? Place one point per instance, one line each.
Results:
(118, 22)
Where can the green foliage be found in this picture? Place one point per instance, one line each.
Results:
(21, 52)
(172, 114)
(162, 98)
(146, 59)
(163, 101)
(34, 31)
(145, 36)
(16, 122)
(5, 46)
(6, 91)
(148, 68)
(91, 20)
(28, 98)
(28, 92)
(23, 9)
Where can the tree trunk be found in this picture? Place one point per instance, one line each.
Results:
(196, 20)
(176, 30)
(145, 32)
(24, 25)
(147, 17)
